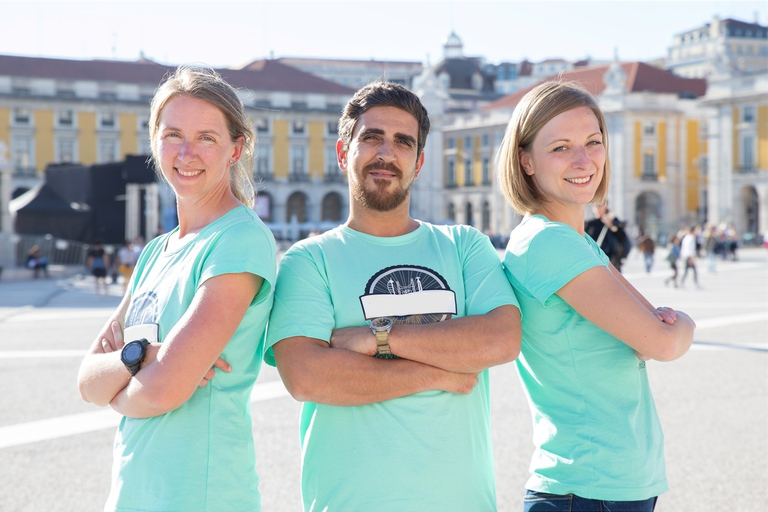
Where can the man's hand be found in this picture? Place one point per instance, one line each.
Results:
(355, 339)
(459, 383)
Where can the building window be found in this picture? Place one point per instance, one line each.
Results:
(747, 153)
(486, 140)
(469, 179)
(748, 114)
(107, 120)
(486, 171)
(451, 143)
(451, 212)
(451, 174)
(66, 118)
(333, 129)
(467, 143)
(649, 165)
(22, 116)
(262, 125)
(298, 127)
(298, 162)
(332, 171)
(65, 148)
(107, 151)
(264, 162)
(649, 128)
(22, 153)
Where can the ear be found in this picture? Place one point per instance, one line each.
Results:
(525, 161)
(341, 155)
(238, 149)
(419, 164)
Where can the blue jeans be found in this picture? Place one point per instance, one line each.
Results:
(544, 502)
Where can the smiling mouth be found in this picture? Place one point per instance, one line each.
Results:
(189, 174)
(579, 181)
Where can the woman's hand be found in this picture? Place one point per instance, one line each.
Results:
(221, 365)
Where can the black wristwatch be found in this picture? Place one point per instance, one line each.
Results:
(133, 354)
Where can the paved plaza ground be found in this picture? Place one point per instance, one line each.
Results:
(55, 450)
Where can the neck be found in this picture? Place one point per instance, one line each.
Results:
(195, 215)
(571, 215)
(391, 223)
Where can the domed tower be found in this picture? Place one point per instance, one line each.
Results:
(453, 46)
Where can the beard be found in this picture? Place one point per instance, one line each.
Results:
(379, 198)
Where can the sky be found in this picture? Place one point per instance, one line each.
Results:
(232, 33)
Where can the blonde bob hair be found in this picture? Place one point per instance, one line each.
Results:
(536, 109)
(207, 85)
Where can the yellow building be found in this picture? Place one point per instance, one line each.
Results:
(737, 153)
(656, 141)
(94, 112)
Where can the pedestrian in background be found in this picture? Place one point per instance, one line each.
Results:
(688, 254)
(98, 263)
(711, 247)
(647, 246)
(587, 331)
(608, 231)
(180, 355)
(673, 254)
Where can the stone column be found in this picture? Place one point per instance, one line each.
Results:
(7, 259)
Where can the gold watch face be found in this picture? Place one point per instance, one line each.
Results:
(382, 323)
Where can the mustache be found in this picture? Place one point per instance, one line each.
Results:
(384, 166)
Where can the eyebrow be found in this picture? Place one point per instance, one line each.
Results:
(379, 131)
(170, 128)
(569, 140)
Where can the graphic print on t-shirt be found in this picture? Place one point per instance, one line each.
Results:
(410, 294)
(143, 310)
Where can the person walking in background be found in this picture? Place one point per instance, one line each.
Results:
(98, 263)
(688, 254)
(587, 331)
(608, 232)
(711, 247)
(37, 262)
(404, 319)
(647, 246)
(180, 355)
(673, 254)
(127, 257)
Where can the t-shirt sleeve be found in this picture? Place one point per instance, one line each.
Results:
(243, 247)
(485, 285)
(302, 305)
(555, 256)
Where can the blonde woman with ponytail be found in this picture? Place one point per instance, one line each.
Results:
(180, 355)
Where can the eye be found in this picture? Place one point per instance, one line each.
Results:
(558, 149)
(595, 143)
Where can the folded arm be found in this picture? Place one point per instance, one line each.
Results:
(314, 372)
(185, 360)
(608, 300)
(468, 344)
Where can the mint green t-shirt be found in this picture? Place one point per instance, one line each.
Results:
(429, 451)
(596, 431)
(200, 456)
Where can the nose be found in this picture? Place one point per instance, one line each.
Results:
(580, 157)
(186, 151)
(386, 151)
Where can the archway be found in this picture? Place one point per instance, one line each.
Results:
(751, 202)
(296, 206)
(331, 207)
(469, 218)
(648, 212)
(263, 206)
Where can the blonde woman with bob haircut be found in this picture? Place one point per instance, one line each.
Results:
(180, 355)
(587, 332)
